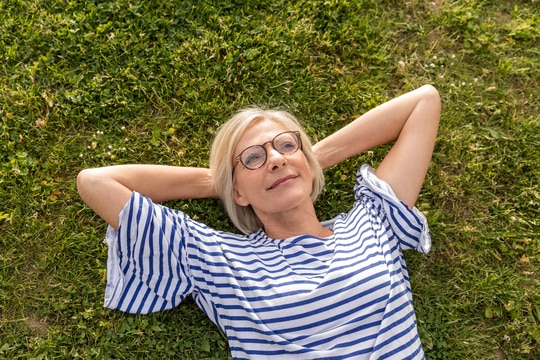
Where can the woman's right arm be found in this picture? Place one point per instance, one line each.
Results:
(106, 190)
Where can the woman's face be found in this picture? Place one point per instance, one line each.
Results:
(282, 183)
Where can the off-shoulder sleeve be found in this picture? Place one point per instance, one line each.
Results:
(409, 225)
(147, 267)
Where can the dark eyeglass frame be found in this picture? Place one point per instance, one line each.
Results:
(238, 159)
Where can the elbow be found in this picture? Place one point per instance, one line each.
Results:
(82, 183)
(98, 188)
(432, 102)
(82, 180)
(86, 180)
(431, 94)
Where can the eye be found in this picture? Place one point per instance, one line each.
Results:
(252, 157)
(286, 145)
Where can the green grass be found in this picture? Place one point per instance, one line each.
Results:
(93, 83)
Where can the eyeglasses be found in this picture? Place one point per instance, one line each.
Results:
(254, 156)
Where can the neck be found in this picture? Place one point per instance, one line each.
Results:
(293, 223)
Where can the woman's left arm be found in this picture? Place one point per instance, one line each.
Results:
(411, 120)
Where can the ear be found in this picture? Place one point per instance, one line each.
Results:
(239, 199)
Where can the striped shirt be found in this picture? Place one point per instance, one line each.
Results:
(346, 296)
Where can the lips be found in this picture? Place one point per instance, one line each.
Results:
(282, 180)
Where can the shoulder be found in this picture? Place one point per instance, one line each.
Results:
(408, 224)
(368, 183)
(141, 212)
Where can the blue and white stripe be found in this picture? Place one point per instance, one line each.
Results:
(341, 297)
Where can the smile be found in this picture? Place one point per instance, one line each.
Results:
(281, 181)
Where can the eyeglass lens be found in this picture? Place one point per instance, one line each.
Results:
(255, 156)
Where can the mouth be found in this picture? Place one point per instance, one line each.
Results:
(281, 181)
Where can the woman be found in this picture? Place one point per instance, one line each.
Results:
(292, 287)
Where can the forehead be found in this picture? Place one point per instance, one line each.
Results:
(259, 132)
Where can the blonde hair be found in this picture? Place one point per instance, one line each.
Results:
(222, 161)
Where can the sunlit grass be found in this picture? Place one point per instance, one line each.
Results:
(86, 84)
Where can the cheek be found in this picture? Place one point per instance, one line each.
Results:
(244, 184)
(241, 179)
(308, 168)
(311, 176)
(311, 173)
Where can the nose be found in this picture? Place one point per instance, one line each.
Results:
(275, 159)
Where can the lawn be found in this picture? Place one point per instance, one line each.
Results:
(94, 83)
